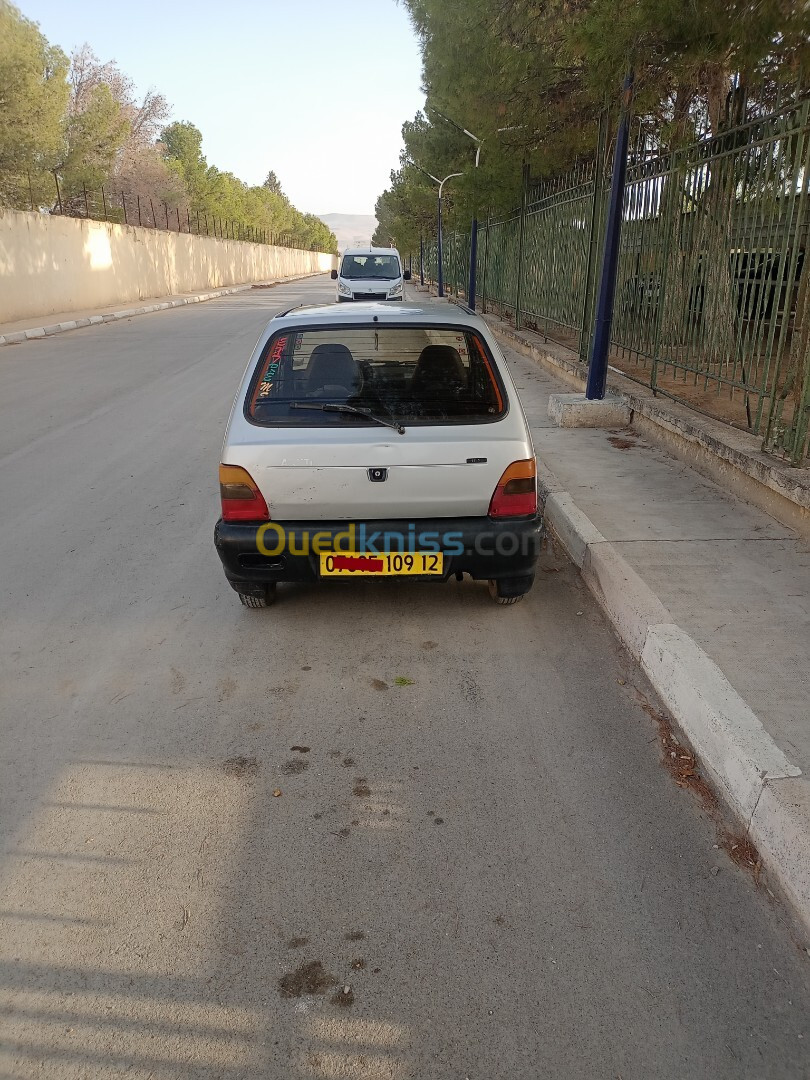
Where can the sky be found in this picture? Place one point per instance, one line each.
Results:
(316, 90)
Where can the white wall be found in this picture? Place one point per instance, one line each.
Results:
(62, 264)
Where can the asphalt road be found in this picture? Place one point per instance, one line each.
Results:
(474, 832)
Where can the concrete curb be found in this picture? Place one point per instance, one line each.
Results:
(766, 794)
(18, 336)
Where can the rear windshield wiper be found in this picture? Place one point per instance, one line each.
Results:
(395, 424)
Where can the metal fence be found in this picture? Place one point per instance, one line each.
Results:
(712, 302)
(109, 203)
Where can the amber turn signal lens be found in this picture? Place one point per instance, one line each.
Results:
(516, 493)
(240, 496)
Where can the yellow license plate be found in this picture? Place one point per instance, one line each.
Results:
(388, 564)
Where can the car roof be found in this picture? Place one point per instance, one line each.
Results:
(381, 312)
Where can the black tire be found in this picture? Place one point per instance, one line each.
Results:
(262, 601)
(503, 600)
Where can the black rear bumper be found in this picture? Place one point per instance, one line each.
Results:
(504, 551)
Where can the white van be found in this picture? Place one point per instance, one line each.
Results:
(370, 274)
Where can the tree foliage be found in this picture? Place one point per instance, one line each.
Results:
(222, 195)
(126, 146)
(531, 78)
(82, 121)
(272, 183)
(33, 101)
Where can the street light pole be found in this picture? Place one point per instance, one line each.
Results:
(441, 247)
(474, 226)
(441, 184)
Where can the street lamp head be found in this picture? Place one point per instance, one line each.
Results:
(458, 127)
(421, 170)
(449, 177)
(435, 179)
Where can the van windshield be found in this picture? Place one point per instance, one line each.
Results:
(414, 375)
(379, 267)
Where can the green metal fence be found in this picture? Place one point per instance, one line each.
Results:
(712, 300)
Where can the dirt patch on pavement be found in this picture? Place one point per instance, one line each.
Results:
(678, 759)
(240, 766)
(310, 978)
(294, 767)
(742, 852)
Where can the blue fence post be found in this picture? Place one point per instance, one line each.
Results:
(521, 241)
(473, 259)
(597, 368)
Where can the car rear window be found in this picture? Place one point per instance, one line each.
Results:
(357, 267)
(412, 375)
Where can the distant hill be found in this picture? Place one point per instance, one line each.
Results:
(351, 230)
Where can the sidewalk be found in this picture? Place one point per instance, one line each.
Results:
(711, 595)
(14, 333)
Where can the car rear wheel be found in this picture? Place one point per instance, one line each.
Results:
(502, 592)
(262, 600)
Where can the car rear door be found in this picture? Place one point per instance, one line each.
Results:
(327, 474)
(311, 466)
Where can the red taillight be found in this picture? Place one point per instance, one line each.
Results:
(241, 499)
(516, 493)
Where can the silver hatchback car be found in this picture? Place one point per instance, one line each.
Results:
(369, 441)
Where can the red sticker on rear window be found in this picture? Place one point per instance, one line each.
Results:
(274, 359)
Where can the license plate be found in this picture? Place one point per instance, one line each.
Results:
(389, 564)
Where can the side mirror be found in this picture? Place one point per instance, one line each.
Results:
(333, 275)
(406, 276)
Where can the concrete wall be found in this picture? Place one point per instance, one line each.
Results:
(62, 264)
